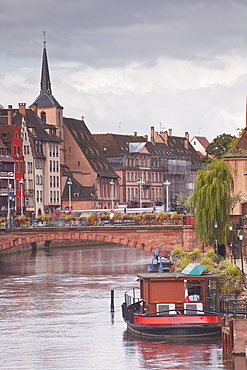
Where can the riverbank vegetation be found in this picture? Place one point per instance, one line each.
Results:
(231, 276)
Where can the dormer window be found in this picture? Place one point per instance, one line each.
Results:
(43, 117)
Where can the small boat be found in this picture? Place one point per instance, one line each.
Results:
(170, 304)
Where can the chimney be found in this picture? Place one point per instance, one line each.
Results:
(9, 115)
(22, 109)
(164, 136)
(170, 132)
(146, 137)
(135, 133)
(35, 108)
(186, 141)
(152, 133)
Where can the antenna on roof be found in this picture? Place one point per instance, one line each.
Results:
(119, 126)
(44, 32)
(199, 130)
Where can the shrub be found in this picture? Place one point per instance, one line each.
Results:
(23, 220)
(105, 216)
(126, 216)
(230, 275)
(92, 220)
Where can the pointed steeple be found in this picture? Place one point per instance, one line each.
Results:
(45, 84)
(45, 99)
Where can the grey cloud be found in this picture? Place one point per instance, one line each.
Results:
(116, 32)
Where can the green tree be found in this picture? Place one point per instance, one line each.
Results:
(212, 201)
(219, 146)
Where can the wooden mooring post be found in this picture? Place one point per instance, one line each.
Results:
(227, 337)
(234, 336)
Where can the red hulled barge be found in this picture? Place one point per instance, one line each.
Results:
(170, 304)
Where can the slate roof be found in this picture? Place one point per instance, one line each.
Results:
(177, 144)
(88, 145)
(83, 192)
(160, 149)
(117, 145)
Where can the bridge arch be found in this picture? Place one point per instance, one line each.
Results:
(145, 238)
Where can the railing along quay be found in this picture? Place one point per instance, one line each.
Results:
(234, 326)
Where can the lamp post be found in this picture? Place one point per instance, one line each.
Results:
(69, 182)
(21, 182)
(167, 184)
(112, 193)
(9, 174)
(216, 239)
(230, 229)
(140, 182)
(241, 237)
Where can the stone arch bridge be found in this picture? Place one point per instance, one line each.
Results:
(148, 238)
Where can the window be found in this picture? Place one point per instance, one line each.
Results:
(50, 196)
(57, 196)
(37, 196)
(41, 196)
(51, 181)
(56, 151)
(78, 163)
(50, 150)
(43, 117)
(37, 180)
(57, 182)
(14, 149)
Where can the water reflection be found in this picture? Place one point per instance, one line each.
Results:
(55, 314)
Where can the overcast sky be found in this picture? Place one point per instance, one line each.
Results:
(126, 65)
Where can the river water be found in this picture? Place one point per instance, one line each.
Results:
(55, 314)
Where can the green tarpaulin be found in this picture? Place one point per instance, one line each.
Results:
(194, 269)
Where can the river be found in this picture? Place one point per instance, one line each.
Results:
(55, 314)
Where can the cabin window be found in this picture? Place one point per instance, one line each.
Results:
(195, 290)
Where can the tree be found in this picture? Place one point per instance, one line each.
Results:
(219, 146)
(212, 201)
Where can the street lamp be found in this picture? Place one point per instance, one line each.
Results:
(69, 182)
(216, 240)
(140, 182)
(112, 193)
(21, 182)
(167, 184)
(241, 237)
(9, 174)
(231, 249)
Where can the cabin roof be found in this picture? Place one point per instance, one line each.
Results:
(169, 275)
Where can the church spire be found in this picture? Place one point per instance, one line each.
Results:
(45, 84)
